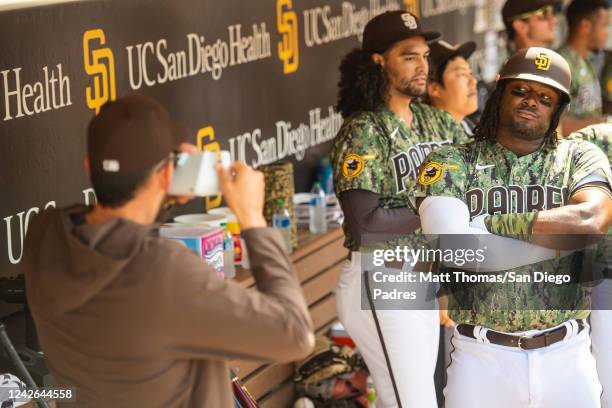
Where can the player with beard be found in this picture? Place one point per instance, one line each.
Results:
(376, 155)
(521, 343)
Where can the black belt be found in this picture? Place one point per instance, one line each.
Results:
(525, 343)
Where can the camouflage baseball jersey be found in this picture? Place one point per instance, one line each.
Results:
(376, 151)
(515, 225)
(585, 89)
(491, 179)
(600, 135)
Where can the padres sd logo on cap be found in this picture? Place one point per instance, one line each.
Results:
(353, 164)
(432, 172)
(409, 21)
(542, 61)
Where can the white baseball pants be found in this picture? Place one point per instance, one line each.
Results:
(601, 337)
(484, 375)
(410, 337)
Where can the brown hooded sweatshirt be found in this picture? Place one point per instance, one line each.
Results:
(133, 320)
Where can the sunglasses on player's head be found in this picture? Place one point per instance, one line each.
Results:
(544, 12)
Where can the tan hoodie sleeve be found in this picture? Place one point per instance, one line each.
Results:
(209, 317)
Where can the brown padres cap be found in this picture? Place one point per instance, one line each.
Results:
(387, 28)
(514, 8)
(539, 65)
(441, 52)
(131, 134)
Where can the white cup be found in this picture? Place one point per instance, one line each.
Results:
(195, 173)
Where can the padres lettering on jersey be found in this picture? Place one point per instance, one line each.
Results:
(493, 180)
(515, 199)
(376, 151)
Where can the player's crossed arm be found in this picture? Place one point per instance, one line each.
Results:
(586, 217)
(584, 220)
(444, 215)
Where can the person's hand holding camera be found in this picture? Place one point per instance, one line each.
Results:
(243, 190)
(182, 199)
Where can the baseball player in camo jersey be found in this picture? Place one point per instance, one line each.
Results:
(588, 31)
(601, 302)
(520, 343)
(376, 156)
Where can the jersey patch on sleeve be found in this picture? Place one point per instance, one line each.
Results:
(353, 164)
(433, 171)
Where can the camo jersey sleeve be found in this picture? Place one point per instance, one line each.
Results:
(359, 157)
(587, 159)
(600, 135)
(444, 173)
(511, 225)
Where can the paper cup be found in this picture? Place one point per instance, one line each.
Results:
(209, 220)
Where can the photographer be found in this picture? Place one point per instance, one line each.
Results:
(130, 319)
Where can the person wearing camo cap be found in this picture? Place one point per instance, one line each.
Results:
(532, 199)
(375, 156)
(452, 85)
(530, 23)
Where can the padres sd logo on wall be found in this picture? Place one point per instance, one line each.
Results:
(432, 172)
(287, 25)
(353, 164)
(412, 6)
(205, 139)
(542, 61)
(100, 64)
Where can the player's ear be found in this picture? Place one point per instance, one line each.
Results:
(585, 26)
(520, 27)
(378, 59)
(433, 89)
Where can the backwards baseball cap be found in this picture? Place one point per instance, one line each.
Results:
(131, 134)
(387, 28)
(513, 9)
(441, 52)
(539, 65)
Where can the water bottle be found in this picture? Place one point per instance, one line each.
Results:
(371, 393)
(228, 253)
(281, 220)
(326, 175)
(318, 222)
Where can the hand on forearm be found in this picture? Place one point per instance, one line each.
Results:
(449, 219)
(515, 225)
(548, 228)
(573, 226)
(569, 227)
(584, 220)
